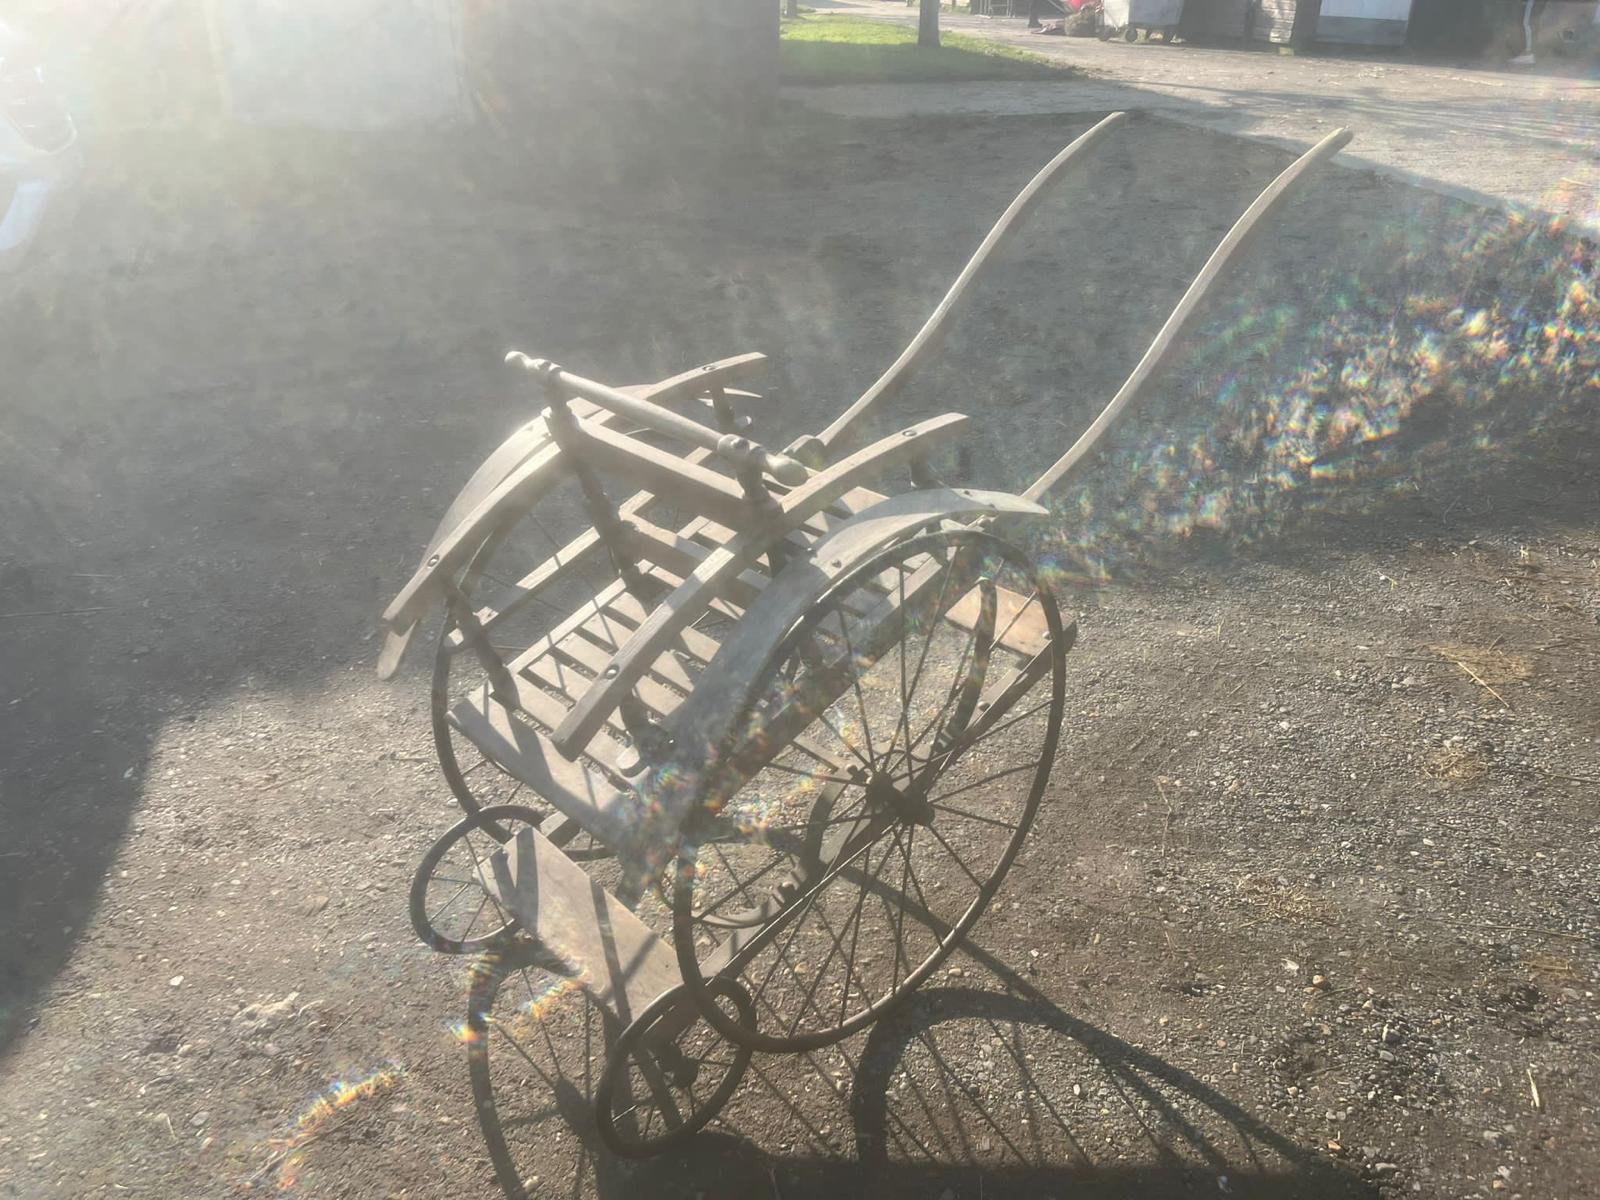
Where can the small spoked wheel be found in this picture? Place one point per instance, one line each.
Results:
(671, 1072)
(450, 909)
(887, 765)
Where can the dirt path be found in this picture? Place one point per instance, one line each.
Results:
(1486, 134)
(1311, 906)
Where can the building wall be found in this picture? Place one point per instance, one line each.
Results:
(540, 60)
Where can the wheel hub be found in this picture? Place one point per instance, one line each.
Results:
(909, 807)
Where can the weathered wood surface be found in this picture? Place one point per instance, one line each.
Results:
(615, 956)
(685, 605)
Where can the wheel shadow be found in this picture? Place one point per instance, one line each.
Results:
(964, 1091)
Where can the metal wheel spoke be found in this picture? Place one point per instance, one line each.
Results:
(855, 936)
(971, 816)
(927, 645)
(967, 787)
(855, 682)
(1016, 616)
(517, 1046)
(899, 917)
(955, 690)
(433, 919)
(838, 944)
(810, 776)
(477, 912)
(968, 743)
(960, 862)
(806, 905)
(776, 860)
(911, 870)
(848, 745)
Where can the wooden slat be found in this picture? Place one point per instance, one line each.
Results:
(686, 604)
(671, 477)
(1026, 635)
(589, 799)
(619, 960)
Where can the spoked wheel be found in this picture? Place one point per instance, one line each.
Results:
(494, 586)
(890, 760)
(536, 1044)
(450, 910)
(662, 1085)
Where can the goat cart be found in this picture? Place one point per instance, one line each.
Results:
(781, 735)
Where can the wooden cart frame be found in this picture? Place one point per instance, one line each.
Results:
(733, 726)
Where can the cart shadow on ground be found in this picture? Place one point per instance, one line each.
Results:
(965, 1091)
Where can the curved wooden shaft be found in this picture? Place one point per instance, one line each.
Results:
(938, 323)
(1227, 253)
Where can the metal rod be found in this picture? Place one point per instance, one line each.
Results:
(1161, 350)
(937, 324)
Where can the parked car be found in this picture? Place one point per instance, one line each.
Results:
(39, 156)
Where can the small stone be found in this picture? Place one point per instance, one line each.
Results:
(175, 981)
(1392, 1036)
(1384, 1168)
(1386, 1056)
(200, 1118)
(1319, 981)
(312, 905)
(1493, 1137)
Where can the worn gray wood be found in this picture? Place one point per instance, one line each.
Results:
(616, 957)
(606, 812)
(738, 451)
(689, 601)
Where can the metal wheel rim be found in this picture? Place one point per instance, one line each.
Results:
(617, 1061)
(683, 917)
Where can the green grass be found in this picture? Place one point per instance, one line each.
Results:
(828, 49)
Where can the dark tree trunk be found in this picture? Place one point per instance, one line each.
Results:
(928, 23)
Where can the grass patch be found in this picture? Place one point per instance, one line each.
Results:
(830, 49)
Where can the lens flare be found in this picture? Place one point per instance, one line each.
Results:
(289, 1152)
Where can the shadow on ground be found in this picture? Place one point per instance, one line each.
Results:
(962, 1092)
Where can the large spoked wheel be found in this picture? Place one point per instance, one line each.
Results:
(888, 765)
(450, 909)
(662, 1085)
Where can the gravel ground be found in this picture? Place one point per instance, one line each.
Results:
(1310, 908)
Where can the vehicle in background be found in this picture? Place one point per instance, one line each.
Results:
(39, 157)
